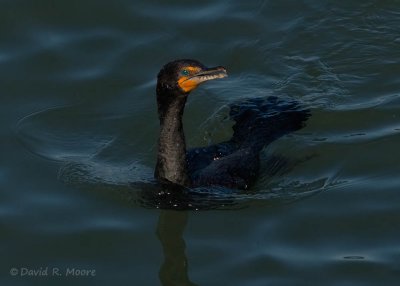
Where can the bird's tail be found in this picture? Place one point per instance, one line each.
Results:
(259, 121)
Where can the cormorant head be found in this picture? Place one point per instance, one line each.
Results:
(183, 76)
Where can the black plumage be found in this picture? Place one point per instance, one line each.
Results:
(234, 163)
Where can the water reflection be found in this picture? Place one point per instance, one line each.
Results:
(170, 228)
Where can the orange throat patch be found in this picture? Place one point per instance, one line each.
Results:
(187, 84)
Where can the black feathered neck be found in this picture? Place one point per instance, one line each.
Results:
(171, 159)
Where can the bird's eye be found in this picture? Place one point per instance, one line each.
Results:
(185, 72)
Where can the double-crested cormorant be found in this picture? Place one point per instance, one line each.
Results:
(234, 163)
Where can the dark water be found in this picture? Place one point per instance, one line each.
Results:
(78, 124)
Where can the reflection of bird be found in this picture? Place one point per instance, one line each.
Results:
(234, 163)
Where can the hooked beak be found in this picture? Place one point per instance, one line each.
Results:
(189, 83)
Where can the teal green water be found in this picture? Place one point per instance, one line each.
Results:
(78, 124)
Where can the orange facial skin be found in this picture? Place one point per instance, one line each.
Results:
(186, 83)
(191, 77)
(193, 70)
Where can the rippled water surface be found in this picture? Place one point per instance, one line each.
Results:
(79, 130)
